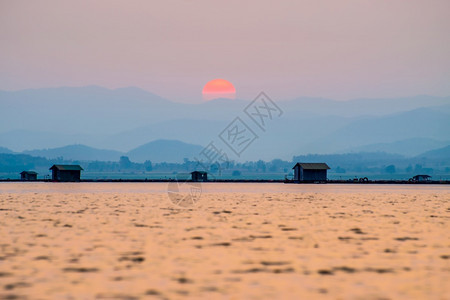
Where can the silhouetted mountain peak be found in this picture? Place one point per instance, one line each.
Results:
(164, 150)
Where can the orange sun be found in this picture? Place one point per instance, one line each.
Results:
(218, 88)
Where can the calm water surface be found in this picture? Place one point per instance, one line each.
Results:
(158, 188)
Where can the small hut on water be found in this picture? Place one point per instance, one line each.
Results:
(199, 176)
(421, 178)
(28, 176)
(310, 172)
(66, 173)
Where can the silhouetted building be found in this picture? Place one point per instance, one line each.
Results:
(66, 173)
(199, 176)
(310, 172)
(28, 176)
(421, 178)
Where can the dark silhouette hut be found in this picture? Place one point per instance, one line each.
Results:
(28, 176)
(421, 178)
(199, 176)
(66, 173)
(310, 172)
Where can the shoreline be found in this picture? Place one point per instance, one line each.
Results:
(241, 181)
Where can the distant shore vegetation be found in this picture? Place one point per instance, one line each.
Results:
(375, 165)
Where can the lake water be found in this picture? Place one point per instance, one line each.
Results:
(238, 240)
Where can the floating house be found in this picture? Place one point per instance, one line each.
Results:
(28, 176)
(66, 173)
(310, 172)
(421, 178)
(199, 176)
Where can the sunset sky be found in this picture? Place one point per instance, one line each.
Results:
(336, 49)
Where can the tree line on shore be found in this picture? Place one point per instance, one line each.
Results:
(374, 163)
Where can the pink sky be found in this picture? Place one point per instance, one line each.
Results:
(337, 49)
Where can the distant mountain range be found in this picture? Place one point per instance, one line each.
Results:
(77, 152)
(164, 150)
(427, 125)
(156, 151)
(409, 147)
(173, 151)
(125, 119)
(441, 155)
(5, 150)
